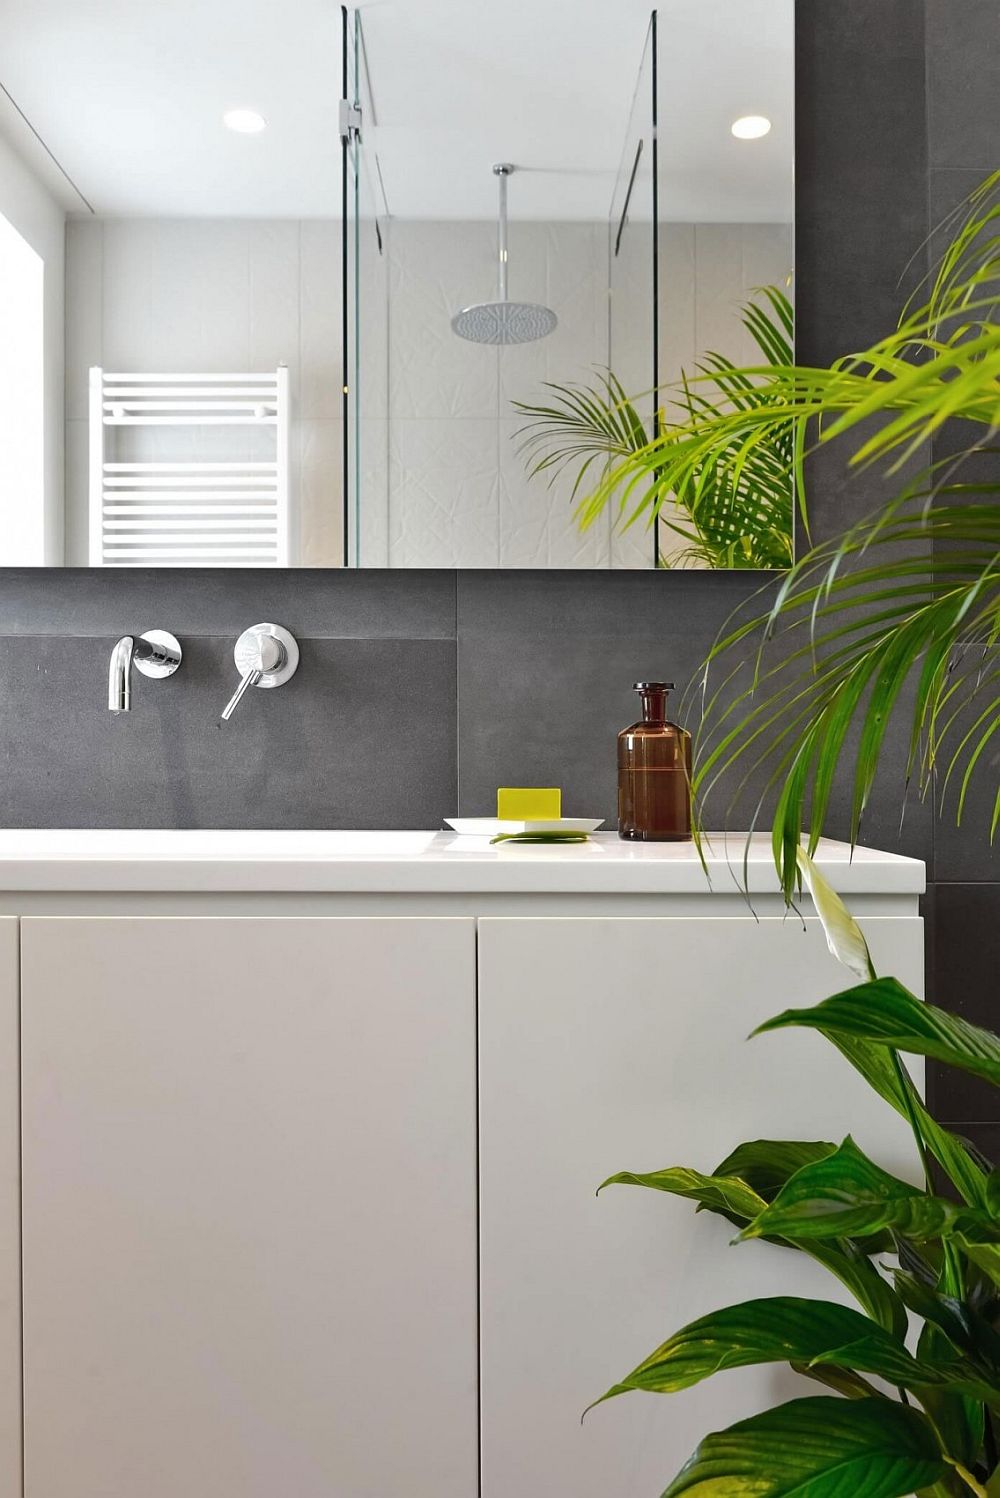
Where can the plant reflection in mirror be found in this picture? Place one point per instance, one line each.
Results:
(733, 510)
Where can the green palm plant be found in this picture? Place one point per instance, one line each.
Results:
(726, 511)
(901, 613)
(900, 1419)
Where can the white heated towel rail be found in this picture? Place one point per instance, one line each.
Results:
(182, 513)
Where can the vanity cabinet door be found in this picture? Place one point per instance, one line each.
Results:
(609, 1045)
(249, 1208)
(10, 1246)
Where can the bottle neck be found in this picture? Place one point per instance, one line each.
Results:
(654, 708)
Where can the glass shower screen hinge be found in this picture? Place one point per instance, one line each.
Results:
(350, 120)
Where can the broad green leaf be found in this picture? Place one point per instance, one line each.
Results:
(959, 1420)
(847, 1195)
(766, 1164)
(817, 1448)
(843, 1380)
(971, 1335)
(884, 1013)
(844, 936)
(858, 1274)
(985, 1256)
(725, 1194)
(876, 1065)
(783, 1329)
(992, 1193)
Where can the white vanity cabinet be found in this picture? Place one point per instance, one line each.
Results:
(300, 1136)
(249, 1230)
(617, 1044)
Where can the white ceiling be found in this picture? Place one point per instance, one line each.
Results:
(128, 95)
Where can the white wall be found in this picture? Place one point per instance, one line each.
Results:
(214, 294)
(39, 219)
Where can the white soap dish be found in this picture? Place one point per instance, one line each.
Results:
(504, 826)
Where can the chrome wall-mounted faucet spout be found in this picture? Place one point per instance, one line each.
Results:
(156, 653)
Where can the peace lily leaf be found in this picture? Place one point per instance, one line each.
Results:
(724, 1194)
(985, 1256)
(843, 1380)
(993, 1193)
(884, 1013)
(878, 1067)
(766, 1164)
(821, 1447)
(844, 936)
(784, 1329)
(970, 1334)
(848, 1195)
(858, 1274)
(958, 1419)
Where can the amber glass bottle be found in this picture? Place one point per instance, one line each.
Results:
(654, 772)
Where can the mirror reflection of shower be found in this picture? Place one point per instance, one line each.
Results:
(503, 321)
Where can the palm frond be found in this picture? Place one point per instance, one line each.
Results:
(940, 363)
(728, 510)
(901, 615)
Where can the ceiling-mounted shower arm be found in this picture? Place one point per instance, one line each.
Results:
(502, 171)
(503, 321)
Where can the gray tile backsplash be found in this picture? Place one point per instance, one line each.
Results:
(362, 736)
(325, 604)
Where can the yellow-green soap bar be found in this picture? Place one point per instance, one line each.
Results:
(519, 803)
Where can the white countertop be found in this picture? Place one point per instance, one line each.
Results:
(425, 862)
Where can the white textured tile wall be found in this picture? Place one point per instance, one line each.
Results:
(211, 295)
(459, 494)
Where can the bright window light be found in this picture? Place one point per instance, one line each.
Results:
(751, 126)
(22, 401)
(244, 121)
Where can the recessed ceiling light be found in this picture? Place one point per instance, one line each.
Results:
(245, 121)
(751, 127)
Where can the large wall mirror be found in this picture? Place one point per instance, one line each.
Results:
(299, 285)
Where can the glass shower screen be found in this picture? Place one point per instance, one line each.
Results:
(366, 322)
(633, 285)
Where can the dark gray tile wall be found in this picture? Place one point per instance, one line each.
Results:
(963, 79)
(419, 693)
(362, 736)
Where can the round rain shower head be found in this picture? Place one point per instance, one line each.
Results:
(504, 322)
